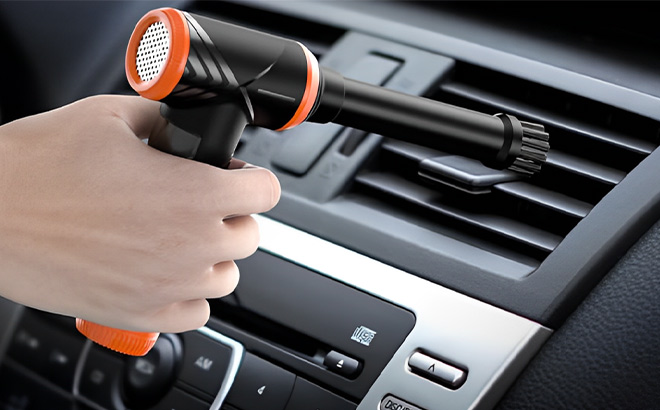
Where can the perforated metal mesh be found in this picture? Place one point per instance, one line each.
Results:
(152, 51)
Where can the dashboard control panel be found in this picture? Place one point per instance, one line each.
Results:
(48, 365)
(343, 337)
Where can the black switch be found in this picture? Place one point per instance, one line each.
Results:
(41, 344)
(205, 362)
(341, 364)
(100, 378)
(179, 400)
(260, 385)
(147, 378)
(308, 396)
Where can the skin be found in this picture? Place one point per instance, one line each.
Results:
(96, 224)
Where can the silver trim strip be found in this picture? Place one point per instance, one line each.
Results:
(492, 344)
(237, 351)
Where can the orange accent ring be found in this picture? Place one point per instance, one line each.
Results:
(311, 91)
(163, 84)
(122, 341)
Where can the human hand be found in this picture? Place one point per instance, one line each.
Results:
(98, 225)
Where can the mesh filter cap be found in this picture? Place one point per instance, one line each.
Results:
(157, 53)
(152, 51)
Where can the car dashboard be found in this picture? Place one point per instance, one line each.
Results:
(390, 275)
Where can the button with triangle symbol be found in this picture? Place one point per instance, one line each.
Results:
(437, 370)
(260, 384)
(340, 363)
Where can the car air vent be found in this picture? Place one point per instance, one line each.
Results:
(593, 145)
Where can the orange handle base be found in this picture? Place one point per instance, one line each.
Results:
(122, 341)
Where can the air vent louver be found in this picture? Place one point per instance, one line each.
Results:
(593, 145)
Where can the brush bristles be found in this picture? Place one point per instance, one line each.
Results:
(534, 150)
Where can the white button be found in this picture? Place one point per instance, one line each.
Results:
(437, 370)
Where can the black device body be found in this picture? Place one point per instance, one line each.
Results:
(235, 76)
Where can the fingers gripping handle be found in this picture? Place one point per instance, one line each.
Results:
(192, 132)
(227, 120)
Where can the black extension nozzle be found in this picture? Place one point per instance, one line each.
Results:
(203, 69)
(499, 141)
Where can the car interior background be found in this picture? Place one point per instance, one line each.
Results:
(414, 278)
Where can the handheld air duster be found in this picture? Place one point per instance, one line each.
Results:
(215, 78)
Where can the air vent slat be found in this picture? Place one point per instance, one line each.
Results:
(546, 198)
(584, 168)
(428, 199)
(549, 118)
(409, 151)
